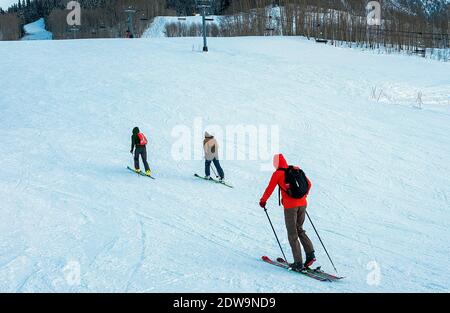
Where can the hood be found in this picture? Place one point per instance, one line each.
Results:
(208, 135)
(136, 131)
(279, 161)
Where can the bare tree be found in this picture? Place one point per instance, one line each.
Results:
(10, 26)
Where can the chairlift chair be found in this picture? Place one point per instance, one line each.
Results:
(203, 3)
(321, 38)
(130, 10)
(422, 51)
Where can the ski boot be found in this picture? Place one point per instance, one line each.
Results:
(148, 173)
(310, 259)
(137, 171)
(297, 267)
(208, 178)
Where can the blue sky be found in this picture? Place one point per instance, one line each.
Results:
(4, 4)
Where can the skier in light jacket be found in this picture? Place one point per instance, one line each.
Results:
(211, 147)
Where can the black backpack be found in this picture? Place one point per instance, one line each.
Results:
(296, 179)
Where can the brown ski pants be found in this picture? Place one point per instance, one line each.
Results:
(294, 219)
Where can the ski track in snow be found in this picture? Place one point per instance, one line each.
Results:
(380, 170)
(141, 257)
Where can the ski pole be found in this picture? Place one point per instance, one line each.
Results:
(321, 242)
(214, 171)
(132, 163)
(284, 256)
(212, 167)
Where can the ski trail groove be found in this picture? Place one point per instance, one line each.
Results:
(141, 257)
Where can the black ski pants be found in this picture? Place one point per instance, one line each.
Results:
(140, 151)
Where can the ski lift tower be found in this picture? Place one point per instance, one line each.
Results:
(203, 5)
(74, 29)
(130, 11)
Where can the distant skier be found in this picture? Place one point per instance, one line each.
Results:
(294, 207)
(138, 144)
(128, 34)
(211, 149)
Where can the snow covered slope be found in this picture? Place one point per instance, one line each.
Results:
(36, 31)
(74, 219)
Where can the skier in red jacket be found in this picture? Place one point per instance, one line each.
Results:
(138, 145)
(294, 214)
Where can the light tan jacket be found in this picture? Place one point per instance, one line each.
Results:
(210, 147)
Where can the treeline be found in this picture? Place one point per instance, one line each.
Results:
(99, 18)
(180, 29)
(106, 18)
(405, 24)
(10, 26)
(188, 7)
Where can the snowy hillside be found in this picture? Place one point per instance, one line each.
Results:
(36, 31)
(412, 7)
(74, 219)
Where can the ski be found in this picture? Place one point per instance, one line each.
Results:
(286, 266)
(141, 173)
(316, 270)
(214, 180)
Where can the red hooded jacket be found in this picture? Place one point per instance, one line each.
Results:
(279, 162)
